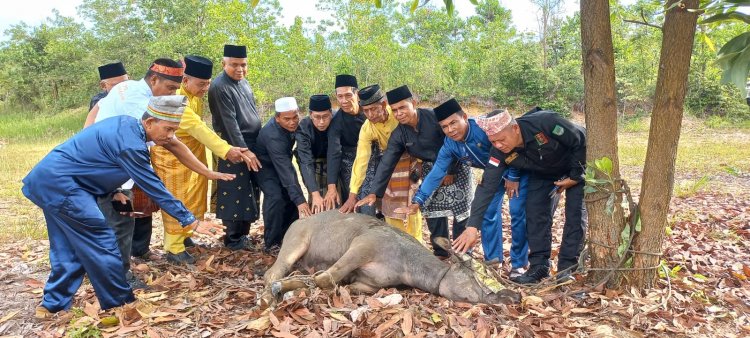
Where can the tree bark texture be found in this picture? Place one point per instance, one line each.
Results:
(664, 134)
(600, 104)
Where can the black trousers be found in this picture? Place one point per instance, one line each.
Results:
(141, 236)
(278, 210)
(439, 228)
(539, 211)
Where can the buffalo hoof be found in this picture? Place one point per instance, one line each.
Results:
(276, 288)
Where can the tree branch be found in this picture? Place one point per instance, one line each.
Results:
(643, 21)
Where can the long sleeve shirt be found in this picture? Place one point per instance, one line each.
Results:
(98, 160)
(234, 114)
(342, 137)
(370, 132)
(126, 98)
(275, 153)
(312, 144)
(192, 125)
(553, 148)
(474, 150)
(129, 98)
(422, 142)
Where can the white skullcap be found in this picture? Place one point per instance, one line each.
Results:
(285, 104)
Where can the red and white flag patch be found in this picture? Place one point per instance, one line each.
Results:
(495, 162)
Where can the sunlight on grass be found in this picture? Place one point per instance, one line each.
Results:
(707, 152)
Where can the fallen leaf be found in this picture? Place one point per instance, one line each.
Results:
(9, 316)
(260, 324)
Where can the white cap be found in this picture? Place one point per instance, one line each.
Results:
(285, 104)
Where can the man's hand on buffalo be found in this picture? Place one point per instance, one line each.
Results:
(467, 240)
(317, 203)
(332, 198)
(349, 205)
(368, 200)
(304, 210)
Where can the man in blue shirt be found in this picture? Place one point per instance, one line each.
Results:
(66, 183)
(468, 143)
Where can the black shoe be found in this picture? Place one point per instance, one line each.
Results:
(273, 250)
(135, 282)
(189, 242)
(180, 258)
(534, 275)
(244, 244)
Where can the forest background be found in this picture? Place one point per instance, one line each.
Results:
(480, 59)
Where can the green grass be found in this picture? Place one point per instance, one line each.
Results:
(24, 126)
(708, 152)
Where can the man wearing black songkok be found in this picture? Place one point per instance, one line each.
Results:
(109, 75)
(235, 118)
(312, 149)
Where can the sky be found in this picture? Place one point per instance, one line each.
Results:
(14, 12)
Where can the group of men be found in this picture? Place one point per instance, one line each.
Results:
(144, 144)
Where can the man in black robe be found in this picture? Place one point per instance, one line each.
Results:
(342, 138)
(283, 201)
(420, 135)
(236, 119)
(109, 75)
(312, 149)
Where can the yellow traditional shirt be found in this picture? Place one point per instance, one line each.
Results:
(192, 125)
(370, 132)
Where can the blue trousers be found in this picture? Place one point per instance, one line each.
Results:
(492, 226)
(82, 243)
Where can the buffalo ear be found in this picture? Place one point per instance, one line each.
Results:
(444, 244)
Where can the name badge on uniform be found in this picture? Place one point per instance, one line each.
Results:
(493, 161)
(541, 138)
(511, 157)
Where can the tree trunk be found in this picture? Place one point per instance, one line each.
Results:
(601, 131)
(664, 134)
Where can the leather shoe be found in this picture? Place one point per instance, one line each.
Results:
(180, 258)
(534, 275)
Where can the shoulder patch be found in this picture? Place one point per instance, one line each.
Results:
(541, 138)
(558, 130)
(511, 157)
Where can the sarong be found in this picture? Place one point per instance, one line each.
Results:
(453, 200)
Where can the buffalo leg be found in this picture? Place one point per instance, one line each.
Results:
(288, 255)
(362, 288)
(355, 257)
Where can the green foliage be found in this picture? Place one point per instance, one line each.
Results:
(477, 59)
(691, 187)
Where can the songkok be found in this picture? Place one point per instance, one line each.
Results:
(346, 80)
(398, 94)
(168, 72)
(494, 122)
(370, 94)
(198, 66)
(320, 102)
(167, 108)
(111, 70)
(285, 104)
(233, 51)
(446, 109)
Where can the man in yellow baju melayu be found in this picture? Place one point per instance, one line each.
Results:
(377, 129)
(183, 183)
